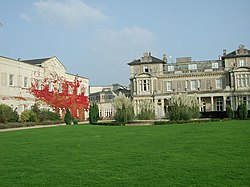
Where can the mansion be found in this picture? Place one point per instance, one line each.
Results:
(18, 76)
(215, 83)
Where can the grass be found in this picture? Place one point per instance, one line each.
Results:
(204, 154)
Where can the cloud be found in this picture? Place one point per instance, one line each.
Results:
(114, 49)
(68, 12)
(25, 17)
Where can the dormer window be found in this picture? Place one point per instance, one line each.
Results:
(170, 68)
(215, 65)
(242, 62)
(145, 69)
(192, 66)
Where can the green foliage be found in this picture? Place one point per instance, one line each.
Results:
(124, 109)
(14, 117)
(230, 112)
(93, 113)
(28, 116)
(147, 111)
(25, 115)
(183, 107)
(75, 121)
(242, 111)
(68, 117)
(45, 115)
(6, 113)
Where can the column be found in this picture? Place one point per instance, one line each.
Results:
(224, 103)
(212, 103)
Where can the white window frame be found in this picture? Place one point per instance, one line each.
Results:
(11, 80)
(170, 68)
(242, 62)
(218, 83)
(192, 66)
(215, 65)
(25, 82)
(145, 69)
(169, 86)
(193, 85)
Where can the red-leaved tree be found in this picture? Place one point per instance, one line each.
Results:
(61, 94)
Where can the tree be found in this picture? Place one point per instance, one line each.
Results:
(146, 111)
(68, 117)
(230, 112)
(61, 94)
(93, 113)
(124, 109)
(183, 107)
(242, 111)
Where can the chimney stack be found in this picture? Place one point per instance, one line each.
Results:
(224, 52)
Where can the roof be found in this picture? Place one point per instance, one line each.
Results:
(233, 54)
(36, 61)
(153, 60)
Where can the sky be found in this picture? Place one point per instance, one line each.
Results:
(97, 38)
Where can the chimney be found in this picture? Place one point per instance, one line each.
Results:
(164, 57)
(224, 52)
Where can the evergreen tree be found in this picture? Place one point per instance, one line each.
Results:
(68, 117)
(93, 113)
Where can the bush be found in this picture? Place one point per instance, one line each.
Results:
(75, 121)
(14, 117)
(230, 112)
(6, 113)
(68, 117)
(242, 111)
(124, 109)
(25, 115)
(146, 111)
(93, 113)
(183, 107)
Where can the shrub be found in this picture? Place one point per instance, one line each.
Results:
(25, 115)
(93, 113)
(146, 111)
(242, 111)
(230, 112)
(68, 117)
(6, 113)
(124, 109)
(183, 107)
(14, 117)
(75, 121)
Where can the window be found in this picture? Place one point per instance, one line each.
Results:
(193, 85)
(243, 80)
(178, 86)
(60, 89)
(208, 84)
(11, 80)
(246, 100)
(192, 66)
(69, 90)
(51, 87)
(187, 85)
(198, 83)
(144, 85)
(242, 62)
(25, 82)
(170, 68)
(169, 86)
(215, 65)
(218, 83)
(145, 69)
(38, 85)
(3, 79)
(219, 104)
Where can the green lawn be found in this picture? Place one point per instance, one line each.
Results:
(205, 154)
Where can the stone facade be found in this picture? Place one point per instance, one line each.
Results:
(215, 83)
(16, 77)
(104, 96)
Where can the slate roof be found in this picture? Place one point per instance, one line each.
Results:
(35, 61)
(153, 61)
(233, 54)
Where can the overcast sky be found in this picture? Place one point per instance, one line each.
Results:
(97, 38)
